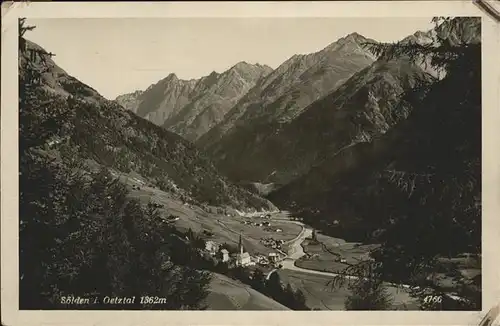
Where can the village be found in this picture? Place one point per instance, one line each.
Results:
(242, 258)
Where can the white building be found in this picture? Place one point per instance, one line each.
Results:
(273, 257)
(224, 255)
(242, 258)
(211, 246)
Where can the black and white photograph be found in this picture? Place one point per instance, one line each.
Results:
(250, 163)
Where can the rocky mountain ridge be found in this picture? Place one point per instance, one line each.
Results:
(191, 107)
(130, 101)
(217, 94)
(299, 81)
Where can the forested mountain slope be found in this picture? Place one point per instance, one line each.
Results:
(366, 105)
(106, 133)
(415, 190)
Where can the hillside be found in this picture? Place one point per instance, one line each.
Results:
(283, 94)
(106, 133)
(228, 294)
(76, 223)
(192, 107)
(55, 80)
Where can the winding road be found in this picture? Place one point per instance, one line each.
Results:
(296, 251)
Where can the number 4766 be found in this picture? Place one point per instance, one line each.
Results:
(433, 299)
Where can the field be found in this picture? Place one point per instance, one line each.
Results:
(325, 255)
(319, 295)
(289, 230)
(228, 294)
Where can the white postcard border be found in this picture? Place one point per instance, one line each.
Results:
(9, 162)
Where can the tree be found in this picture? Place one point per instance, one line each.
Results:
(314, 236)
(229, 247)
(274, 288)
(22, 30)
(76, 224)
(300, 300)
(287, 296)
(444, 189)
(367, 290)
(43, 184)
(367, 295)
(258, 280)
(241, 273)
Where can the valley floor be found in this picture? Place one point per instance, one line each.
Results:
(326, 254)
(308, 265)
(313, 279)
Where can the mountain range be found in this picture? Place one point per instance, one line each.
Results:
(256, 122)
(205, 109)
(283, 125)
(191, 107)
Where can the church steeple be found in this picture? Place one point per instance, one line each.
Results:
(240, 245)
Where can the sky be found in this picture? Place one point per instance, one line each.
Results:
(120, 55)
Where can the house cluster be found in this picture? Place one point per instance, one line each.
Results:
(240, 258)
(265, 223)
(134, 187)
(156, 205)
(272, 243)
(271, 259)
(171, 219)
(261, 224)
(339, 259)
